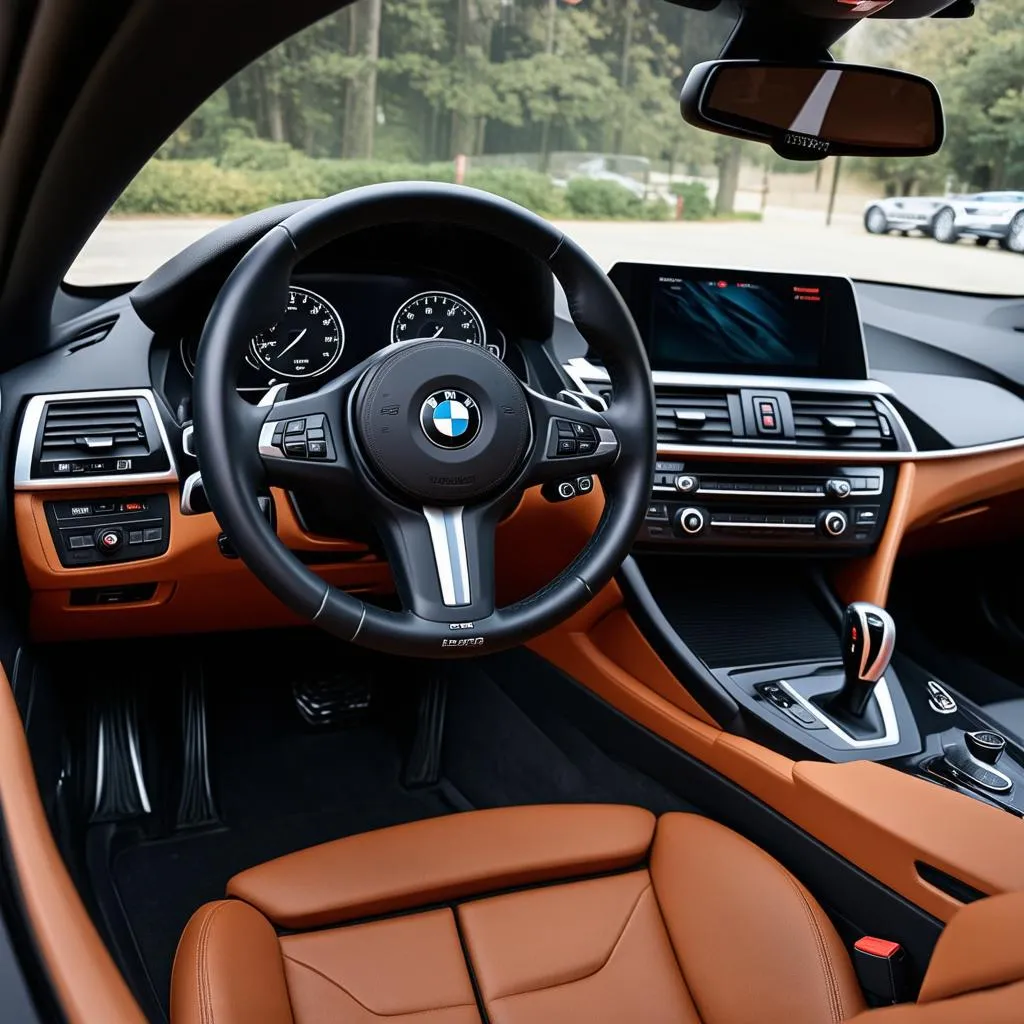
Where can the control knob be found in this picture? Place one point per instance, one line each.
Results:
(834, 523)
(109, 540)
(985, 745)
(687, 484)
(838, 488)
(692, 521)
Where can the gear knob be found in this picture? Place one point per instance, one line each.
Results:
(869, 635)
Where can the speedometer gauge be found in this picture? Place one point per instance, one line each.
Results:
(306, 342)
(440, 315)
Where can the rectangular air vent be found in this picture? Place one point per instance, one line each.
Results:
(103, 435)
(91, 335)
(840, 422)
(698, 416)
(93, 427)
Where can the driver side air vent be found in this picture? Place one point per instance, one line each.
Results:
(698, 416)
(95, 427)
(841, 422)
(71, 437)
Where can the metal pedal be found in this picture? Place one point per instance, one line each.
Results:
(195, 802)
(423, 765)
(333, 699)
(120, 788)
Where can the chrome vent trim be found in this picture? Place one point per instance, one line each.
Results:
(30, 431)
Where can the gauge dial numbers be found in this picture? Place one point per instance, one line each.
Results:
(306, 342)
(441, 315)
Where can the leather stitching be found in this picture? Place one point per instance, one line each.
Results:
(825, 961)
(203, 988)
(341, 988)
(597, 970)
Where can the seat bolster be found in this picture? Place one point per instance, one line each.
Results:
(440, 859)
(753, 944)
(228, 969)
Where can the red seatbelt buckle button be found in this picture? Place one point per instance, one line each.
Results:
(882, 970)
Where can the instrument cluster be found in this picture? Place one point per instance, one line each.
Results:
(333, 322)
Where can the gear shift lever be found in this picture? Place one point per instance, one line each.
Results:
(869, 635)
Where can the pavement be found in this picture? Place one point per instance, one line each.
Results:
(128, 249)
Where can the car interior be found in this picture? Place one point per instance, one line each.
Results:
(491, 638)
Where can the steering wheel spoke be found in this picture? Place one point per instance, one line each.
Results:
(302, 440)
(442, 559)
(572, 440)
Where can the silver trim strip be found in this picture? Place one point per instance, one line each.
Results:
(191, 483)
(101, 760)
(582, 372)
(448, 538)
(763, 526)
(890, 726)
(188, 440)
(607, 442)
(133, 753)
(23, 479)
(267, 449)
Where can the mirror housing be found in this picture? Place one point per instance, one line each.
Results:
(813, 111)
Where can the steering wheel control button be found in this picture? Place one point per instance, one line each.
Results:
(295, 449)
(838, 488)
(585, 484)
(692, 521)
(450, 419)
(109, 541)
(295, 427)
(307, 438)
(985, 745)
(566, 447)
(566, 490)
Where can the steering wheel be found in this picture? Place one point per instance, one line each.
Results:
(435, 440)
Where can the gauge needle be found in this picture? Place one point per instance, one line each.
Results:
(295, 342)
(438, 332)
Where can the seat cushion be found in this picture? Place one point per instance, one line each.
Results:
(702, 928)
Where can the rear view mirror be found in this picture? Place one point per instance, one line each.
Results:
(817, 110)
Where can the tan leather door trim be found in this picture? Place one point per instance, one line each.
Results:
(87, 983)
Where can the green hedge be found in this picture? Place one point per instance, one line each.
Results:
(696, 201)
(243, 182)
(253, 174)
(604, 200)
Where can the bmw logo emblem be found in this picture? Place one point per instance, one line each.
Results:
(450, 419)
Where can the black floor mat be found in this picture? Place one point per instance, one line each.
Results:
(281, 786)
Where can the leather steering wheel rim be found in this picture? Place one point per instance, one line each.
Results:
(229, 432)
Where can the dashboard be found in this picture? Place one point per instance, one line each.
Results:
(797, 414)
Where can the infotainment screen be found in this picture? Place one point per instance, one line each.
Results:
(701, 319)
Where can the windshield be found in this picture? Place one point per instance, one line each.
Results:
(571, 109)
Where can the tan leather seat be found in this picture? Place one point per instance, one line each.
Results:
(531, 914)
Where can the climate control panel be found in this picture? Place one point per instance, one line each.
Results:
(95, 531)
(821, 508)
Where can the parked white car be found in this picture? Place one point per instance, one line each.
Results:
(983, 216)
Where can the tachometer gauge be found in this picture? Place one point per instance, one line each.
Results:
(441, 315)
(306, 342)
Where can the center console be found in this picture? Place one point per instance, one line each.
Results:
(779, 457)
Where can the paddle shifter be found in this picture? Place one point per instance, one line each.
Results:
(869, 635)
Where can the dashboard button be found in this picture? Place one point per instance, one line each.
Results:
(153, 535)
(109, 541)
(136, 537)
(657, 512)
